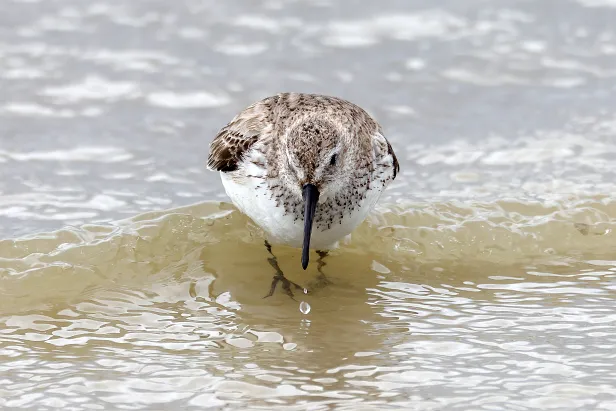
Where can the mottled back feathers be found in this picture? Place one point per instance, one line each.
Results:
(277, 116)
(236, 138)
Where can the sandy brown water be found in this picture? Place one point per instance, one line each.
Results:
(484, 281)
(453, 306)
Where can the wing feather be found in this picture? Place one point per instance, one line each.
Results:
(383, 148)
(233, 141)
(390, 150)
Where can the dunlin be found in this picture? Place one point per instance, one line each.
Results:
(306, 168)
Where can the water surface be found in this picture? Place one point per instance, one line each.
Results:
(485, 280)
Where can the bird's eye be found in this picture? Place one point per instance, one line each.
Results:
(332, 161)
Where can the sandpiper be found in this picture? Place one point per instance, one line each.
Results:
(306, 168)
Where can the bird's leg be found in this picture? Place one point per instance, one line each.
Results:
(321, 280)
(279, 276)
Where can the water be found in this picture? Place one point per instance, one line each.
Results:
(485, 280)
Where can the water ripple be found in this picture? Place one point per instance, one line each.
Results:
(485, 280)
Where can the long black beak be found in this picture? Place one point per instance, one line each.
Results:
(311, 198)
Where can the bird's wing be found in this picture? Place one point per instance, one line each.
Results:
(390, 150)
(235, 139)
(383, 148)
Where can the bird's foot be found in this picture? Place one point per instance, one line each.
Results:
(287, 285)
(321, 281)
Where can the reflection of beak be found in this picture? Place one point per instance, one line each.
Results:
(311, 197)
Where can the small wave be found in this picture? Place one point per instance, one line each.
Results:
(151, 247)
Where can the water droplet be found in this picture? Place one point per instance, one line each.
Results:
(305, 291)
(289, 346)
(304, 307)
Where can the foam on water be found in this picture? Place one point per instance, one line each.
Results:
(185, 100)
(358, 33)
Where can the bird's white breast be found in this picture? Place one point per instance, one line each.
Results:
(253, 197)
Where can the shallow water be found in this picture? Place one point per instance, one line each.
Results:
(485, 279)
(460, 306)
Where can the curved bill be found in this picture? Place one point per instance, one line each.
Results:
(311, 197)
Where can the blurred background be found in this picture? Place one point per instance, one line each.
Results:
(107, 108)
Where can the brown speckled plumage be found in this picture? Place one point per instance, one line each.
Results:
(287, 140)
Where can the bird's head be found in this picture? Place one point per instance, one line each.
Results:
(319, 161)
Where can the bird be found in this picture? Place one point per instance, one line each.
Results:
(306, 168)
